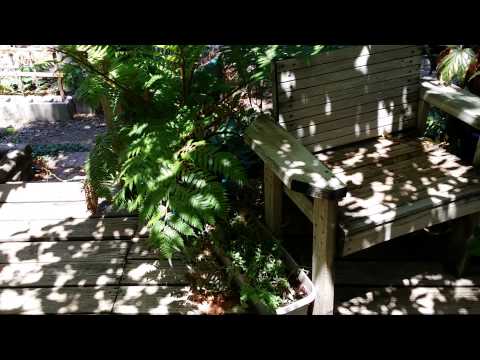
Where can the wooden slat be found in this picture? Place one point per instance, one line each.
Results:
(364, 161)
(41, 192)
(71, 229)
(394, 179)
(110, 251)
(44, 211)
(154, 300)
(380, 214)
(380, 173)
(59, 274)
(336, 55)
(320, 125)
(397, 301)
(326, 90)
(293, 164)
(372, 89)
(338, 77)
(155, 272)
(362, 150)
(64, 300)
(400, 273)
(362, 103)
(457, 102)
(419, 219)
(351, 63)
(362, 135)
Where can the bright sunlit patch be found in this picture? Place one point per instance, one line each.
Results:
(27, 300)
(328, 105)
(139, 272)
(357, 129)
(300, 132)
(288, 84)
(404, 95)
(362, 60)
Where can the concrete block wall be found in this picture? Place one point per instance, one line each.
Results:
(17, 110)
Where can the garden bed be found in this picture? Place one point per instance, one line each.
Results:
(16, 110)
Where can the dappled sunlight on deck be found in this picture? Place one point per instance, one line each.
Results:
(68, 261)
(389, 179)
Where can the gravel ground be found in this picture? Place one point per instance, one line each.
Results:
(82, 129)
(66, 165)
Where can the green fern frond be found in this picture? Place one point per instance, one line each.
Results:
(167, 239)
(208, 158)
(101, 166)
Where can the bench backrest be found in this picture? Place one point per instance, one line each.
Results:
(347, 95)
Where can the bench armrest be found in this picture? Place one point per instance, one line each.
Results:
(455, 101)
(293, 164)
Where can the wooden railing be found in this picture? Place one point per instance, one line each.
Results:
(13, 58)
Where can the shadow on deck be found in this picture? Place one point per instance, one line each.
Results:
(403, 276)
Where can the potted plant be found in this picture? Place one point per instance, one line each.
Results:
(268, 278)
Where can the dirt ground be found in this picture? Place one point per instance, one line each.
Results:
(76, 136)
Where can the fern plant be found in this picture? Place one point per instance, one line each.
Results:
(159, 105)
(164, 107)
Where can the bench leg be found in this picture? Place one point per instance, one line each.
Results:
(423, 109)
(324, 230)
(273, 201)
(460, 239)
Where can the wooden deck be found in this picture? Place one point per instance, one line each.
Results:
(402, 276)
(54, 259)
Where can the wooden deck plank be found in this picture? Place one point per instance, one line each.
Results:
(44, 211)
(141, 249)
(59, 274)
(53, 211)
(109, 251)
(154, 272)
(71, 229)
(154, 300)
(41, 192)
(63, 300)
(404, 300)
(401, 273)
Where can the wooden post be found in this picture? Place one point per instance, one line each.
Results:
(59, 76)
(423, 109)
(476, 157)
(272, 188)
(324, 230)
(460, 239)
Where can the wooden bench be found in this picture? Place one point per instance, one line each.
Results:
(344, 145)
